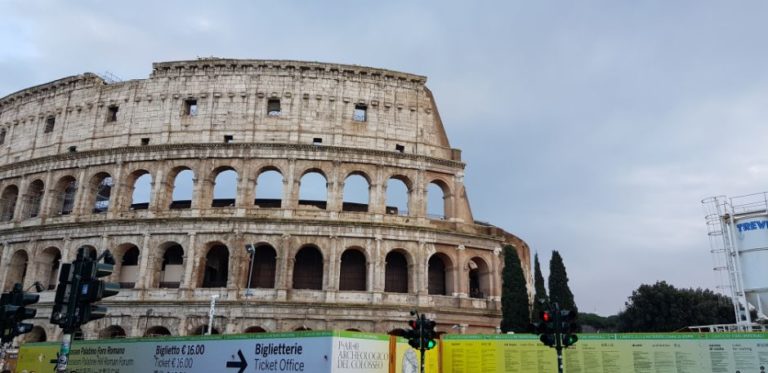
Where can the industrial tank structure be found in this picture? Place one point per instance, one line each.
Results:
(141, 167)
(738, 231)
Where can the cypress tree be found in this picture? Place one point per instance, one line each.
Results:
(558, 284)
(541, 290)
(514, 295)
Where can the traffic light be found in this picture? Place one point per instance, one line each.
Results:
(93, 290)
(65, 302)
(413, 335)
(14, 310)
(567, 317)
(546, 328)
(428, 335)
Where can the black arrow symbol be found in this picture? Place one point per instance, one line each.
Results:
(242, 364)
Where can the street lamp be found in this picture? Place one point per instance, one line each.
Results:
(251, 249)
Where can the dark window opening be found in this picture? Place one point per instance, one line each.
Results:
(190, 107)
(308, 269)
(49, 123)
(172, 267)
(216, 267)
(400, 148)
(353, 271)
(317, 141)
(262, 267)
(2, 136)
(112, 113)
(72, 149)
(396, 273)
(228, 139)
(474, 284)
(273, 107)
(436, 276)
(145, 141)
(360, 114)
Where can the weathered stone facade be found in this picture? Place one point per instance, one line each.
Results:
(73, 151)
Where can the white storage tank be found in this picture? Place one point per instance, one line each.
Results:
(751, 240)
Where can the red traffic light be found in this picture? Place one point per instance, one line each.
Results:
(412, 324)
(546, 317)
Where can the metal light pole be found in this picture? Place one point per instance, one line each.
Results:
(211, 313)
(251, 249)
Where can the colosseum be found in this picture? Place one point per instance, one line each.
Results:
(237, 179)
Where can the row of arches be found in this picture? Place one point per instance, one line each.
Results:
(309, 269)
(268, 192)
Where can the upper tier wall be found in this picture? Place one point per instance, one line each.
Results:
(317, 102)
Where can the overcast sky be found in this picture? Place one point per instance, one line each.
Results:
(592, 128)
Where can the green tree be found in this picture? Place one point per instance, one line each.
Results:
(541, 290)
(591, 322)
(663, 308)
(558, 284)
(514, 295)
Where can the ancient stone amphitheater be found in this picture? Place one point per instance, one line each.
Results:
(230, 178)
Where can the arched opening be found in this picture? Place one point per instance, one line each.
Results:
(172, 266)
(203, 329)
(224, 188)
(313, 190)
(216, 267)
(356, 193)
(352, 276)
(157, 331)
(34, 198)
(479, 278)
(49, 260)
(37, 334)
(269, 189)
(437, 200)
(396, 273)
(262, 267)
(8, 202)
(398, 194)
(308, 269)
(101, 192)
(112, 332)
(302, 328)
(129, 267)
(397, 332)
(353, 330)
(64, 196)
(439, 275)
(88, 251)
(142, 191)
(183, 187)
(18, 269)
(254, 330)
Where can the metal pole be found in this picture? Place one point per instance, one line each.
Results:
(558, 338)
(211, 313)
(421, 340)
(61, 365)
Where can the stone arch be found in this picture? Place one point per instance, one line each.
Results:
(254, 330)
(313, 189)
(63, 196)
(302, 329)
(157, 331)
(216, 266)
(17, 270)
(262, 266)
(8, 202)
(479, 277)
(353, 270)
(203, 329)
(269, 187)
(440, 275)
(182, 189)
(308, 268)
(396, 271)
(439, 200)
(49, 261)
(37, 334)
(141, 189)
(357, 192)
(33, 198)
(99, 193)
(127, 265)
(88, 251)
(112, 332)
(225, 180)
(398, 195)
(170, 265)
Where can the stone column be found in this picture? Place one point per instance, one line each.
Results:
(48, 197)
(81, 195)
(121, 195)
(159, 190)
(190, 262)
(21, 198)
(145, 255)
(5, 263)
(332, 266)
(290, 187)
(461, 274)
(495, 276)
(334, 189)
